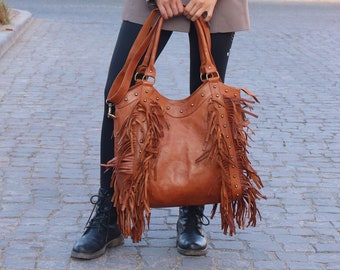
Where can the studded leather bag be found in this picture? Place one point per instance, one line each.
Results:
(184, 152)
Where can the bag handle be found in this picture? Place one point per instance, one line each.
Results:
(147, 43)
(123, 80)
(207, 69)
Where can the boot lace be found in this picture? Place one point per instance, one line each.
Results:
(101, 217)
(197, 218)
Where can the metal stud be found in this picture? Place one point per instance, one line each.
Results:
(222, 115)
(126, 99)
(202, 95)
(181, 111)
(192, 104)
(168, 107)
(136, 94)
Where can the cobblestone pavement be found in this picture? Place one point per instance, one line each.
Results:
(51, 84)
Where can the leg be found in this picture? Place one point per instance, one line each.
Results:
(190, 235)
(102, 231)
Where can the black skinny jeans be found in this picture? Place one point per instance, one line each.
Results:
(220, 47)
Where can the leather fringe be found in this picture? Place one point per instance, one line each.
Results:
(233, 208)
(148, 122)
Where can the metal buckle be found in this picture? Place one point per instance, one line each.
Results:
(110, 109)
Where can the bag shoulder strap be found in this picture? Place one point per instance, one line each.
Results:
(122, 82)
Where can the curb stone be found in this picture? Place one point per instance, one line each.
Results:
(20, 19)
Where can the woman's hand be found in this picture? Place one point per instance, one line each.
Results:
(170, 8)
(196, 8)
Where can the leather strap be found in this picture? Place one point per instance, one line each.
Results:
(207, 63)
(122, 82)
(147, 43)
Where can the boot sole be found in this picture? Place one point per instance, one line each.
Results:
(192, 252)
(86, 256)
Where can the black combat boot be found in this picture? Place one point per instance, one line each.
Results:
(190, 236)
(102, 231)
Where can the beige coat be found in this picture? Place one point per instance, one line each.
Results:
(229, 16)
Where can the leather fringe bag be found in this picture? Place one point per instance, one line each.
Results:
(179, 152)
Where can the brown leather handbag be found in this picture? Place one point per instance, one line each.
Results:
(179, 152)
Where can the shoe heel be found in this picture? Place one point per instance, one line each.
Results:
(116, 242)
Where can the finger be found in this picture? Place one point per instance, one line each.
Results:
(197, 14)
(175, 10)
(169, 12)
(166, 11)
(187, 10)
(180, 7)
(191, 12)
(163, 12)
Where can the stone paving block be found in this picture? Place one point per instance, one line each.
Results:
(304, 266)
(269, 265)
(12, 262)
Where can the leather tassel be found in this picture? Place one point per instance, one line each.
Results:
(132, 175)
(242, 206)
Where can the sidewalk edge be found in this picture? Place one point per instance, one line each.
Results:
(12, 32)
